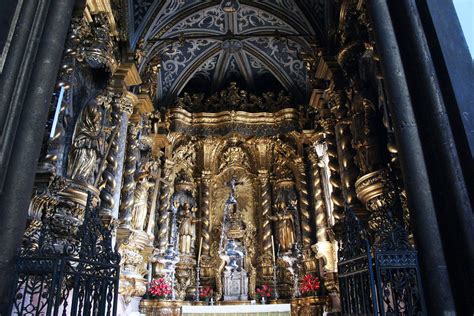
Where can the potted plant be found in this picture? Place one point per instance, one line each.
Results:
(159, 289)
(157, 301)
(206, 293)
(264, 293)
(310, 285)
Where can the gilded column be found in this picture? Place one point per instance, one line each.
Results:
(347, 167)
(325, 247)
(318, 199)
(129, 183)
(165, 200)
(304, 204)
(327, 125)
(266, 206)
(120, 106)
(205, 212)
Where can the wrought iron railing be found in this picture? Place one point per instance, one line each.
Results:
(379, 280)
(74, 278)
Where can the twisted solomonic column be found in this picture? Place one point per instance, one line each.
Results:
(347, 167)
(333, 165)
(318, 199)
(107, 203)
(165, 203)
(304, 205)
(205, 213)
(129, 183)
(266, 227)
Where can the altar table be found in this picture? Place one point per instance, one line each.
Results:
(236, 310)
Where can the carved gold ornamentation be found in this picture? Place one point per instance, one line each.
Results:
(232, 98)
(160, 307)
(285, 229)
(266, 204)
(205, 211)
(140, 205)
(88, 142)
(370, 186)
(222, 123)
(313, 305)
(234, 156)
(129, 183)
(187, 228)
(135, 250)
(318, 199)
(165, 200)
(305, 214)
(98, 44)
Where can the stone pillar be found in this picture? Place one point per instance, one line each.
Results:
(36, 49)
(452, 176)
(436, 284)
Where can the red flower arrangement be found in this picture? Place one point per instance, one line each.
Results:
(206, 292)
(159, 288)
(309, 285)
(265, 291)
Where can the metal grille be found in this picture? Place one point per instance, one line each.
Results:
(71, 279)
(398, 283)
(356, 277)
(379, 280)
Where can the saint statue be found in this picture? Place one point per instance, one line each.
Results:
(87, 144)
(187, 228)
(140, 207)
(285, 228)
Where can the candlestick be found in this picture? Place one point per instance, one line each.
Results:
(273, 250)
(199, 252)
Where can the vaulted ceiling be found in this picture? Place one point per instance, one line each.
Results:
(259, 46)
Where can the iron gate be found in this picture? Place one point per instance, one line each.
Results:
(70, 279)
(379, 280)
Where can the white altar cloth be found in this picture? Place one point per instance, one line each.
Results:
(268, 309)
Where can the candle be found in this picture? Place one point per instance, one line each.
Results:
(56, 113)
(199, 253)
(273, 250)
(150, 269)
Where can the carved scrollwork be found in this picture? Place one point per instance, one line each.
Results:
(234, 99)
(234, 156)
(98, 47)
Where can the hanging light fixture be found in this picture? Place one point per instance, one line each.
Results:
(230, 6)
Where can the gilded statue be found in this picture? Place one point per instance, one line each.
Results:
(285, 228)
(187, 228)
(88, 143)
(140, 207)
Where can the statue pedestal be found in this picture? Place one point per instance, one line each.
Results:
(236, 285)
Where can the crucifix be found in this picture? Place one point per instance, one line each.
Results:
(233, 183)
